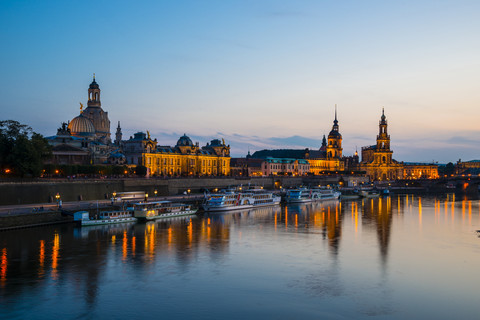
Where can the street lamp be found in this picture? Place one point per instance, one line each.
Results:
(57, 196)
(146, 197)
(114, 194)
(155, 192)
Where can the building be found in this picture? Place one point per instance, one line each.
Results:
(327, 159)
(415, 170)
(184, 159)
(377, 161)
(467, 167)
(86, 138)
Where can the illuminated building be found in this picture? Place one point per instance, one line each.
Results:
(377, 160)
(467, 167)
(327, 159)
(420, 171)
(185, 158)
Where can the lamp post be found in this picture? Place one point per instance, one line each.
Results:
(57, 196)
(155, 192)
(146, 197)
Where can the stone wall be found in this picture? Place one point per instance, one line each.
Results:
(34, 219)
(13, 193)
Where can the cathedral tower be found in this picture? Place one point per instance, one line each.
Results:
(95, 113)
(334, 147)
(383, 154)
(118, 135)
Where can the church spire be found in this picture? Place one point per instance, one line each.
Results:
(335, 122)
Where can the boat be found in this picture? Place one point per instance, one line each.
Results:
(161, 209)
(351, 193)
(311, 194)
(105, 217)
(369, 193)
(239, 200)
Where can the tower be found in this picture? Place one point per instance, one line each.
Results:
(383, 154)
(334, 147)
(95, 113)
(94, 94)
(118, 135)
(324, 144)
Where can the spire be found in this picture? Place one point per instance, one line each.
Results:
(118, 125)
(383, 114)
(94, 76)
(335, 122)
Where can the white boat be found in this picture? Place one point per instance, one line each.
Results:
(235, 200)
(105, 217)
(161, 209)
(311, 194)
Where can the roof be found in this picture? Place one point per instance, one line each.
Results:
(66, 147)
(281, 153)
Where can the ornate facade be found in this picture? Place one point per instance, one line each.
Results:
(184, 159)
(377, 160)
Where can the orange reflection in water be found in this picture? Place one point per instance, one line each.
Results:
(124, 246)
(296, 220)
(41, 257)
(469, 213)
(190, 231)
(55, 253)
(3, 267)
(134, 239)
(420, 211)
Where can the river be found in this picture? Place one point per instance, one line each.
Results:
(401, 257)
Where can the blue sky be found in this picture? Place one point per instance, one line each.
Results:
(260, 74)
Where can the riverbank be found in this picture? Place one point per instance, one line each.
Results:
(44, 191)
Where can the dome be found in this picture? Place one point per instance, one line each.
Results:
(81, 126)
(334, 134)
(94, 84)
(184, 141)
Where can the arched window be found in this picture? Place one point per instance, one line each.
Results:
(384, 159)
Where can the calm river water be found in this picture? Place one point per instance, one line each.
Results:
(403, 257)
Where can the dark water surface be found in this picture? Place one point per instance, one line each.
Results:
(404, 257)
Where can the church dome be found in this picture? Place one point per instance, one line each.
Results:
(81, 126)
(94, 84)
(184, 141)
(334, 134)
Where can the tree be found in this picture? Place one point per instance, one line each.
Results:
(22, 151)
(141, 171)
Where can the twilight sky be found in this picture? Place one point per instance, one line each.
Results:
(260, 74)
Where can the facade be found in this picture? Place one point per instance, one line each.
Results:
(377, 160)
(184, 159)
(420, 171)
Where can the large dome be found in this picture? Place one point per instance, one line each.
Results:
(184, 141)
(81, 126)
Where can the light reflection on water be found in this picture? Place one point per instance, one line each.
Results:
(397, 257)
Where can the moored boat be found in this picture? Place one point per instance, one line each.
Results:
(105, 217)
(311, 194)
(161, 209)
(233, 200)
(369, 193)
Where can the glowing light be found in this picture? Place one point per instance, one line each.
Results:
(55, 249)
(3, 266)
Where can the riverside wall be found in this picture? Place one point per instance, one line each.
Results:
(32, 220)
(32, 192)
